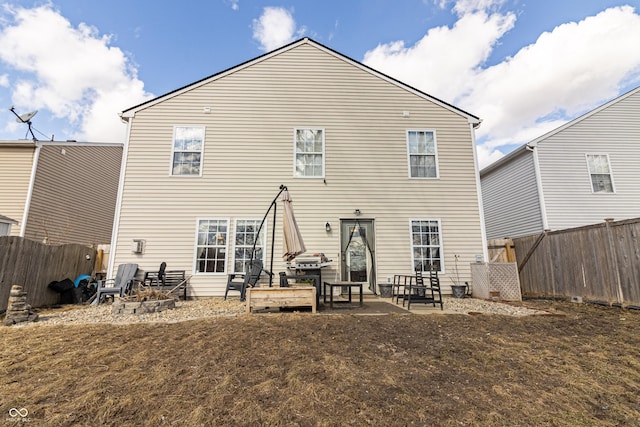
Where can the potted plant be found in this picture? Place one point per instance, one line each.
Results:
(458, 290)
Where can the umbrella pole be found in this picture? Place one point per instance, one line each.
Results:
(273, 235)
(273, 238)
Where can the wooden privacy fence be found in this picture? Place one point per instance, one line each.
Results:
(599, 263)
(34, 265)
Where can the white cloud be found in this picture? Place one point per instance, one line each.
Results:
(567, 71)
(235, 4)
(72, 72)
(4, 80)
(275, 28)
(444, 62)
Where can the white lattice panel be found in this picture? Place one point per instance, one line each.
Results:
(480, 280)
(499, 277)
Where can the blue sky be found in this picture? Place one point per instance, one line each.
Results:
(523, 67)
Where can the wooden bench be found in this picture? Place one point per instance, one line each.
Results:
(174, 281)
(299, 296)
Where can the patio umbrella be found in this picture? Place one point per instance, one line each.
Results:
(292, 242)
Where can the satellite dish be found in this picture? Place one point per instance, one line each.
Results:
(25, 118)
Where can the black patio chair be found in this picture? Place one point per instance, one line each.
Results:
(419, 291)
(241, 281)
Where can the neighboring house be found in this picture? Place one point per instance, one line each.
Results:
(578, 174)
(354, 146)
(59, 192)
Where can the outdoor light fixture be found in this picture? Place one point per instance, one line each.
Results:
(357, 212)
(327, 227)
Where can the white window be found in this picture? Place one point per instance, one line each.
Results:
(246, 235)
(600, 173)
(426, 243)
(309, 153)
(422, 152)
(5, 229)
(211, 245)
(186, 155)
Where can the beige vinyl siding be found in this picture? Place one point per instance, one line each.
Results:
(74, 194)
(249, 152)
(15, 175)
(614, 130)
(510, 199)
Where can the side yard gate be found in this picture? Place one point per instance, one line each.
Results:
(34, 265)
(599, 263)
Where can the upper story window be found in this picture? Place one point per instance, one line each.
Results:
(211, 245)
(309, 153)
(246, 236)
(426, 243)
(600, 173)
(422, 152)
(188, 145)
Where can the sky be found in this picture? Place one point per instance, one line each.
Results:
(523, 67)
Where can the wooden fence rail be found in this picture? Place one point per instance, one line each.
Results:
(599, 262)
(34, 265)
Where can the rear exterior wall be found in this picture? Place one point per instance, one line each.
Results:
(249, 153)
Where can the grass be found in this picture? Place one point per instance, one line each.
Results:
(577, 369)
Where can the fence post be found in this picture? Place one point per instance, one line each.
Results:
(614, 254)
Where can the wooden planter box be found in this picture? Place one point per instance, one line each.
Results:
(299, 296)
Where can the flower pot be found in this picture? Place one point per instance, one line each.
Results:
(458, 291)
(385, 289)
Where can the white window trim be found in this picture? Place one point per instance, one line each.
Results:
(173, 148)
(195, 248)
(264, 235)
(439, 221)
(435, 146)
(613, 182)
(295, 152)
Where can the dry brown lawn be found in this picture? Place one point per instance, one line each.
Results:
(297, 369)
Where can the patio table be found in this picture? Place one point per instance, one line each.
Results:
(349, 285)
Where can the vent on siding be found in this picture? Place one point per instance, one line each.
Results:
(138, 246)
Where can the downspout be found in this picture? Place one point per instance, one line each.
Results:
(536, 167)
(483, 229)
(32, 180)
(116, 219)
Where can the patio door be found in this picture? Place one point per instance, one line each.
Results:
(357, 251)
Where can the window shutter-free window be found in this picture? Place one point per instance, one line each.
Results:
(426, 243)
(422, 152)
(188, 144)
(211, 245)
(600, 173)
(309, 153)
(246, 235)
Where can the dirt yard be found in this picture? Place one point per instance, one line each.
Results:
(580, 367)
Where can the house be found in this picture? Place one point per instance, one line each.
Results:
(59, 192)
(382, 176)
(581, 173)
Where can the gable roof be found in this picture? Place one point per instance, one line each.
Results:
(130, 112)
(534, 142)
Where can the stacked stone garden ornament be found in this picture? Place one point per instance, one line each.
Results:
(18, 311)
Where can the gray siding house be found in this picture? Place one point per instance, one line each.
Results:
(578, 174)
(59, 192)
(354, 147)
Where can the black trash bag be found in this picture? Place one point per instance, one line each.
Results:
(66, 290)
(62, 286)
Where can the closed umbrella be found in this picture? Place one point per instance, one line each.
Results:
(293, 244)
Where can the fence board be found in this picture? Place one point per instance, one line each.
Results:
(600, 262)
(34, 265)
